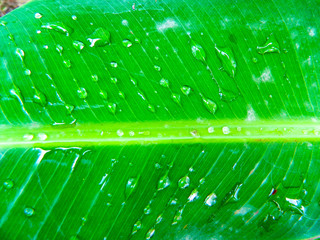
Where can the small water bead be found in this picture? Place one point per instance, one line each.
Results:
(59, 27)
(8, 184)
(20, 53)
(69, 108)
(227, 60)
(82, 93)
(114, 64)
(29, 211)
(112, 107)
(198, 51)
(157, 68)
(95, 78)
(202, 181)
(127, 43)
(164, 83)
(210, 105)
(271, 46)
(122, 95)
(78, 45)
(159, 219)
(136, 227)
(150, 233)
(103, 94)
(42, 136)
(193, 196)
(254, 60)
(131, 186)
(74, 17)
(113, 80)
(40, 98)
(225, 130)
(137, 40)
(186, 90)
(163, 183)
(37, 15)
(184, 182)
(151, 108)
(99, 38)
(210, 129)
(27, 72)
(67, 63)
(176, 98)
(211, 199)
(147, 210)
(178, 216)
(28, 137)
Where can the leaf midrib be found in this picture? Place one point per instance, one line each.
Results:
(166, 132)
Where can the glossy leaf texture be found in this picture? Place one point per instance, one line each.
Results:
(160, 119)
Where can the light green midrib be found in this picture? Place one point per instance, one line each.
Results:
(168, 132)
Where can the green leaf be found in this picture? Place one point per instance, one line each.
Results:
(160, 119)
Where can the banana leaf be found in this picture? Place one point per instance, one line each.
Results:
(162, 119)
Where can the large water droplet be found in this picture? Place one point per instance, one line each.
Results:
(163, 183)
(40, 98)
(150, 233)
(37, 15)
(164, 83)
(29, 211)
(271, 46)
(227, 60)
(184, 182)
(127, 43)
(82, 93)
(232, 196)
(99, 38)
(58, 27)
(193, 195)
(186, 90)
(198, 52)
(136, 227)
(211, 199)
(210, 105)
(130, 186)
(178, 216)
(20, 53)
(78, 45)
(8, 184)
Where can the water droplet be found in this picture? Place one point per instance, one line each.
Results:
(42, 136)
(28, 137)
(193, 196)
(20, 53)
(114, 80)
(127, 43)
(59, 49)
(130, 186)
(227, 95)
(103, 94)
(29, 211)
(112, 107)
(78, 45)
(210, 105)
(211, 199)
(69, 108)
(176, 98)
(184, 182)
(121, 94)
(95, 78)
(136, 227)
(147, 209)
(164, 83)
(227, 60)
(11, 37)
(210, 129)
(40, 98)
(27, 72)
(232, 196)
(157, 68)
(99, 38)
(58, 27)
(120, 133)
(271, 46)
(163, 183)
(178, 216)
(38, 15)
(254, 60)
(202, 181)
(225, 130)
(82, 93)
(151, 108)
(186, 90)
(114, 64)
(159, 219)
(74, 17)
(150, 233)
(198, 52)
(67, 63)
(8, 184)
